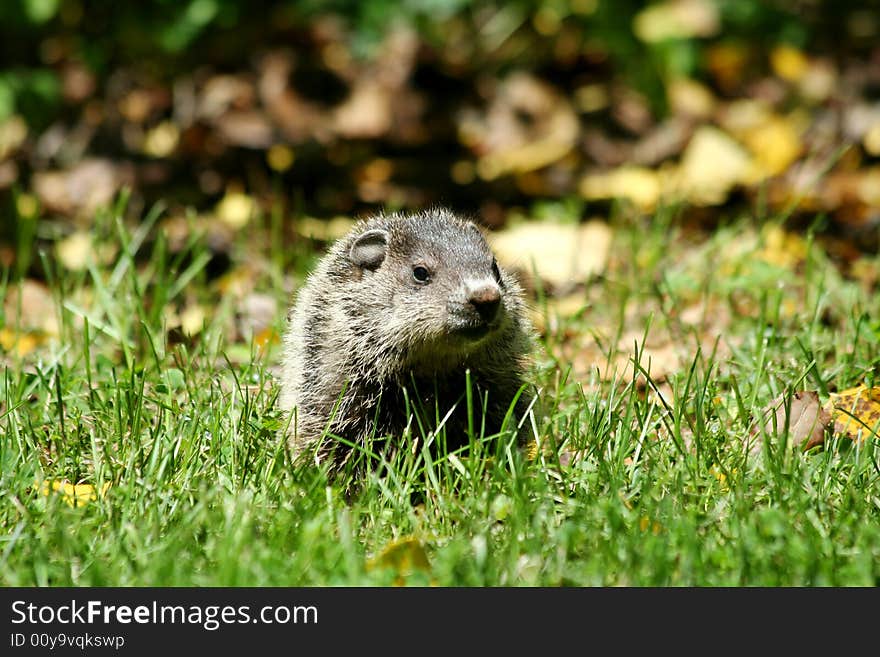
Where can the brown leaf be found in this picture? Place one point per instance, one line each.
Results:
(84, 187)
(30, 305)
(528, 125)
(246, 128)
(804, 416)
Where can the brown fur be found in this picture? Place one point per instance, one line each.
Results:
(365, 335)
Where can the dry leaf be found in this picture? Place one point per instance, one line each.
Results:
(236, 209)
(856, 412)
(529, 124)
(21, 343)
(75, 251)
(162, 140)
(775, 145)
(325, 230)
(29, 305)
(640, 185)
(562, 254)
(74, 494)
(366, 114)
(13, 132)
(805, 418)
(245, 128)
(676, 19)
(255, 314)
(789, 63)
(88, 185)
(192, 319)
(711, 165)
(405, 556)
(782, 248)
(690, 98)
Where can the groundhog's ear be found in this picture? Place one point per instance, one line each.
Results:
(472, 226)
(368, 250)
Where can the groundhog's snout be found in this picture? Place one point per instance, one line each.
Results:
(486, 300)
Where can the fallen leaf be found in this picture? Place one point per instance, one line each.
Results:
(249, 128)
(690, 98)
(726, 62)
(711, 165)
(775, 145)
(782, 248)
(13, 132)
(561, 254)
(366, 114)
(30, 306)
(280, 157)
(20, 343)
(75, 251)
(161, 140)
(404, 556)
(255, 314)
(640, 185)
(676, 19)
(236, 209)
(85, 187)
(192, 319)
(856, 412)
(802, 414)
(325, 230)
(74, 494)
(528, 125)
(789, 63)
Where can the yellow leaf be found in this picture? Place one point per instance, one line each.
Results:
(775, 144)
(782, 248)
(676, 19)
(789, 63)
(74, 494)
(192, 319)
(235, 209)
(405, 556)
(21, 343)
(75, 251)
(13, 132)
(280, 157)
(27, 206)
(637, 184)
(162, 140)
(871, 140)
(690, 98)
(560, 253)
(711, 165)
(325, 230)
(856, 412)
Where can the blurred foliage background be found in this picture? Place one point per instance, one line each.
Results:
(233, 107)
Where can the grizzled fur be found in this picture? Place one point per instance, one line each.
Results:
(366, 335)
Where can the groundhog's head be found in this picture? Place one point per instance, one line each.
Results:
(434, 282)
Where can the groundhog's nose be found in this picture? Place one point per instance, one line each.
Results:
(486, 300)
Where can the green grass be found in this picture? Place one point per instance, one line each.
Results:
(661, 490)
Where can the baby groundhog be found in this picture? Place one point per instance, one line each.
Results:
(387, 328)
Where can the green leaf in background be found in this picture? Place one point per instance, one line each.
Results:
(188, 25)
(40, 11)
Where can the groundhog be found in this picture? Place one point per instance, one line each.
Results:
(386, 330)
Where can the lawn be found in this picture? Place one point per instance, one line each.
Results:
(652, 465)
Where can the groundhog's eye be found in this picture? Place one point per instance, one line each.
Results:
(421, 274)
